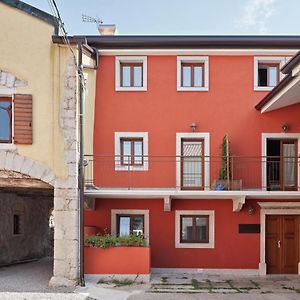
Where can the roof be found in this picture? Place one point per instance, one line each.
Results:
(187, 41)
(279, 87)
(287, 68)
(33, 11)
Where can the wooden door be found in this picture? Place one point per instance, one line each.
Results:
(282, 244)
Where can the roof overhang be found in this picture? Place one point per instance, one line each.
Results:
(285, 94)
(186, 42)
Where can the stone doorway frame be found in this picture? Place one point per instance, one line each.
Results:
(273, 208)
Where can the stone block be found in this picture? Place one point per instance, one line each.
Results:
(9, 161)
(10, 80)
(37, 170)
(2, 159)
(48, 176)
(27, 165)
(3, 78)
(18, 162)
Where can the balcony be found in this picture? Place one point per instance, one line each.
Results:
(193, 173)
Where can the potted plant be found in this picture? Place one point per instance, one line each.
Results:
(226, 181)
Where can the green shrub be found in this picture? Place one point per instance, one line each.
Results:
(107, 241)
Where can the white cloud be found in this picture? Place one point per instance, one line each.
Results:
(256, 14)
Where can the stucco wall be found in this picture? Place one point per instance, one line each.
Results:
(36, 238)
(28, 53)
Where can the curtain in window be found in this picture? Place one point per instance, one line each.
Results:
(288, 165)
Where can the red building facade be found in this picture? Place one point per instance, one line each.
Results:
(182, 155)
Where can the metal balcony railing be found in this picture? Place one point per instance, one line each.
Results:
(270, 173)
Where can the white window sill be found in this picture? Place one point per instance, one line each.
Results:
(131, 89)
(7, 146)
(119, 167)
(195, 245)
(263, 88)
(192, 89)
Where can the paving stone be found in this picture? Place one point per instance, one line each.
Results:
(224, 291)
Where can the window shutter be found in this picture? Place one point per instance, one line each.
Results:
(22, 119)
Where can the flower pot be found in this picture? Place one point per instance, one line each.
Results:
(227, 185)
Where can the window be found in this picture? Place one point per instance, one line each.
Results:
(131, 73)
(192, 73)
(5, 120)
(282, 166)
(16, 224)
(194, 229)
(268, 74)
(15, 120)
(126, 221)
(130, 224)
(132, 151)
(192, 163)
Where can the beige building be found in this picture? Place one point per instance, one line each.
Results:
(39, 142)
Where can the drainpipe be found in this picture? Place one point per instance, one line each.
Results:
(81, 162)
(81, 173)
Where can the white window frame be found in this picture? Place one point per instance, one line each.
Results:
(121, 135)
(268, 60)
(193, 59)
(145, 213)
(193, 135)
(280, 135)
(130, 59)
(211, 221)
(9, 92)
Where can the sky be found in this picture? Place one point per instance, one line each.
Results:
(181, 17)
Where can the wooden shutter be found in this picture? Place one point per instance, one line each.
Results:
(22, 119)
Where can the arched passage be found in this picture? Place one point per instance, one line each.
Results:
(33, 186)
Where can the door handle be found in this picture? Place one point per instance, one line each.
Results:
(278, 244)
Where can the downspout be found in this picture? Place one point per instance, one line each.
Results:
(81, 163)
(81, 172)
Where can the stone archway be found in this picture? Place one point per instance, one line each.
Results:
(66, 232)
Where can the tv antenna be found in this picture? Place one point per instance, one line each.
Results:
(89, 19)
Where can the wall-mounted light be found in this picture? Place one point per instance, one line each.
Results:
(193, 126)
(250, 210)
(285, 127)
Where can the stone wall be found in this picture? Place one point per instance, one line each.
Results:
(35, 238)
(66, 203)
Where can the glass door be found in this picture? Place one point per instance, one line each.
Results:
(192, 164)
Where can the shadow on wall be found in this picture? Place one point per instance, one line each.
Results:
(24, 221)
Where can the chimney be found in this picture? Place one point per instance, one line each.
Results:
(107, 29)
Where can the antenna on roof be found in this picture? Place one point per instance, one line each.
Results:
(104, 29)
(88, 19)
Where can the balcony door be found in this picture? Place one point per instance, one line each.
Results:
(282, 165)
(192, 164)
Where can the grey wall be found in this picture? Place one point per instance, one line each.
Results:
(36, 238)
